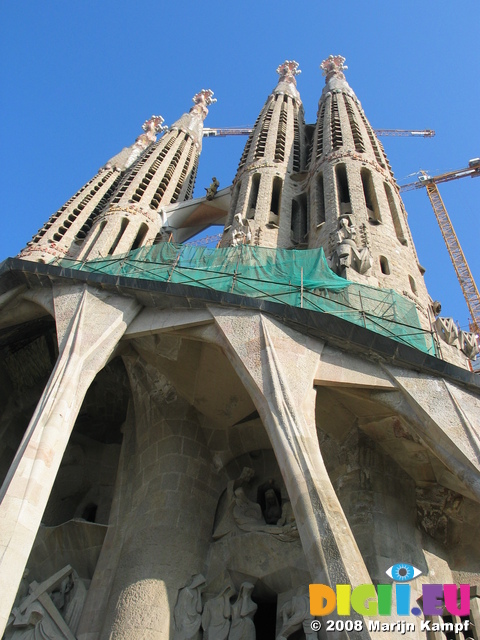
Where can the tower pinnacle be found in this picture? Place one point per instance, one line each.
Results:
(288, 70)
(202, 100)
(129, 155)
(333, 66)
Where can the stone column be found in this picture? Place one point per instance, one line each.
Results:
(89, 325)
(168, 493)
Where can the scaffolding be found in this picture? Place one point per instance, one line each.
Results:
(299, 278)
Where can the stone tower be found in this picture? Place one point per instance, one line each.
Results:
(358, 215)
(263, 195)
(120, 209)
(182, 454)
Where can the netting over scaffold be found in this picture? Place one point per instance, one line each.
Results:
(295, 278)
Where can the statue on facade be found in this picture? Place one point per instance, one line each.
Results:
(188, 610)
(296, 615)
(50, 610)
(243, 610)
(129, 155)
(212, 189)
(241, 233)
(226, 522)
(348, 251)
(216, 615)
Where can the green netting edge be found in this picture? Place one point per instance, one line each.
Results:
(296, 278)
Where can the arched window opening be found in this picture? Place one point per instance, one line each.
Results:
(370, 196)
(320, 123)
(320, 200)
(299, 221)
(97, 235)
(275, 200)
(234, 202)
(413, 285)
(395, 215)
(384, 266)
(120, 233)
(343, 191)
(142, 232)
(355, 129)
(253, 196)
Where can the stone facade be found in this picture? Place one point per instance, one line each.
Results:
(195, 461)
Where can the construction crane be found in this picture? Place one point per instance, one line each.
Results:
(245, 131)
(464, 275)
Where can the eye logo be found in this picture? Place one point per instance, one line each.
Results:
(402, 572)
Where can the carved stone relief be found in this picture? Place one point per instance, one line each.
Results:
(296, 615)
(241, 514)
(350, 248)
(188, 610)
(241, 233)
(47, 610)
(452, 335)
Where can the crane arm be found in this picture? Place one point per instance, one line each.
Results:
(464, 275)
(473, 170)
(406, 133)
(209, 132)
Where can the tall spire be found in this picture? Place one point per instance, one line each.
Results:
(164, 174)
(356, 213)
(129, 155)
(193, 120)
(264, 196)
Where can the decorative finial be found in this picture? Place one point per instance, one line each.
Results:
(288, 70)
(154, 125)
(333, 65)
(202, 100)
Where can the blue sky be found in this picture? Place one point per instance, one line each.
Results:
(79, 78)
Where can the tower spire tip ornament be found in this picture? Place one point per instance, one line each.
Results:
(333, 66)
(288, 70)
(202, 100)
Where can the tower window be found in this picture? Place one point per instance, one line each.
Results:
(233, 205)
(335, 124)
(320, 122)
(413, 285)
(384, 266)
(252, 199)
(299, 222)
(371, 201)
(142, 232)
(281, 134)
(395, 215)
(320, 200)
(343, 191)
(262, 138)
(276, 196)
(120, 233)
(356, 133)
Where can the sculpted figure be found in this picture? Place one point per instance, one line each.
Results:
(245, 511)
(188, 610)
(50, 610)
(226, 521)
(296, 615)
(347, 252)
(212, 189)
(243, 610)
(273, 510)
(241, 233)
(216, 616)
